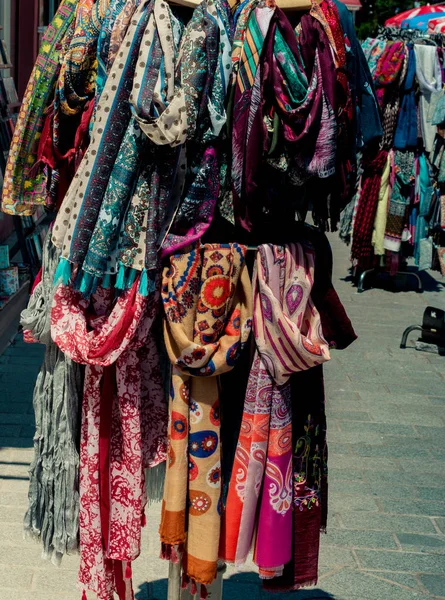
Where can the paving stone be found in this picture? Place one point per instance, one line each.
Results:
(384, 522)
(345, 474)
(359, 539)
(426, 466)
(14, 578)
(432, 494)
(422, 543)
(342, 502)
(414, 507)
(380, 428)
(411, 562)
(441, 524)
(404, 579)
(15, 442)
(435, 584)
(366, 463)
(406, 478)
(393, 451)
(351, 415)
(16, 419)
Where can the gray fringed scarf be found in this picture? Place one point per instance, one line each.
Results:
(53, 511)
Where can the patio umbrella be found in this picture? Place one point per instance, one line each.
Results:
(433, 23)
(440, 27)
(397, 20)
(420, 22)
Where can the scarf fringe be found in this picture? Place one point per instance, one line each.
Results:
(154, 478)
(120, 281)
(63, 272)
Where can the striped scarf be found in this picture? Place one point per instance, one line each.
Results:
(22, 191)
(207, 301)
(288, 339)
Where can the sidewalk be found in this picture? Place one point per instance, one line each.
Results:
(386, 409)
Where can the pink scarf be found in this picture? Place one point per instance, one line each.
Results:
(289, 339)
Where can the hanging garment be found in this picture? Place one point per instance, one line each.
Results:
(388, 68)
(21, 190)
(423, 259)
(53, 510)
(124, 425)
(401, 195)
(429, 77)
(78, 214)
(206, 294)
(406, 131)
(373, 167)
(381, 215)
(289, 339)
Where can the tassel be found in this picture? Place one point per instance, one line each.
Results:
(128, 571)
(204, 593)
(63, 272)
(185, 581)
(166, 551)
(174, 556)
(143, 283)
(120, 281)
(84, 595)
(131, 278)
(193, 588)
(86, 284)
(106, 281)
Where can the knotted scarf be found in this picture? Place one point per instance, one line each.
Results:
(21, 191)
(123, 430)
(78, 214)
(208, 307)
(53, 496)
(288, 340)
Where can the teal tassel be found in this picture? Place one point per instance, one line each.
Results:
(63, 272)
(143, 283)
(106, 281)
(131, 278)
(86, 284)
(120, 281)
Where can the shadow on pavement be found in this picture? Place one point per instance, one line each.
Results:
(241, 586)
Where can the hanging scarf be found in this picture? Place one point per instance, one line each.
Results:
(123, 426)
(381, 215)
(429, 78)
(21, 191)
(77, 217)
(388, 68)
(373, 166)
(289, 339)
(53, 509)
(207, 301)
(148, 87)
(400, 200)
(406, 132)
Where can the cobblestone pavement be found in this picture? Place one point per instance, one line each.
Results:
(386, 531)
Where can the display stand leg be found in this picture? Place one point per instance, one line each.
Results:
(410, 274)
(361, 281)
(214, 591)
(406, 334)
(174, 581)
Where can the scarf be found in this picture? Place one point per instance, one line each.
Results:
(21, 191)
(404, 177)
(53, 509)
(78, 214)
(406, 131)
(123, 426)
(288, 339)
(373, 166)
(268, 47)
(388, 68)
(381, 215)
(207, 301)
(429, 78)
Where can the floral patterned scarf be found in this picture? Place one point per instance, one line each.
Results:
(289, 339)
(124, 425)
(208, 307)
(21, 191)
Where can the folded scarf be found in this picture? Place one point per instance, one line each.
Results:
(53, 509)
(406, 131)
(207, 301)
(22, 191)
(123, 430)
(288, 339)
